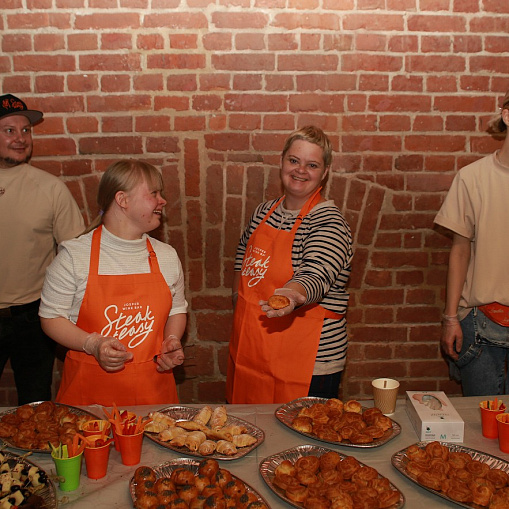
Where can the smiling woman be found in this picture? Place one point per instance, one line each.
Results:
(298, 247)
(116, 274)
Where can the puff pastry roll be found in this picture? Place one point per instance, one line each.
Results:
(168, 434)
(203, 416)
(191, 425)
(207, 448)
(179, 440)
(234, 429)
(226, 448)
(218, 418)
(194, 439)
(218, 435)
(243, 440)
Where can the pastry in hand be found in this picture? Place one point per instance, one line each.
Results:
(278, 301)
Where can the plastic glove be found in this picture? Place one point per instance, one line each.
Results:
(172, 354)
(429, 400)
(295, 298)
(109, 352)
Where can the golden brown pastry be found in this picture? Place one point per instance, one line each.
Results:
(168, 434)
(226, 448)
(278, 301)
(191, 425)
(218, 418)
(207, 447)
(353, 406)
(243, 440)
(203, 415)
(194, 439)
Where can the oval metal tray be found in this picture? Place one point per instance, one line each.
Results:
(287, 412)
(269, 465)
(399, 461)
(7, 443)
(165, 470)
(185, 413)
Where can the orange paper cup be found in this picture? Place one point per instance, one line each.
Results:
(96, 459)
(489, 421)
(130, 448)
(131, 417)
(503, 432)
(96, 427)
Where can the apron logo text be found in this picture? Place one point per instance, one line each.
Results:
(135, 327)
(255, 267)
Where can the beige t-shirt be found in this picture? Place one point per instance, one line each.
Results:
(477, 207)
(37, 212)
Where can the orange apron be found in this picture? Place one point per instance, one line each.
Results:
(133, 308)
(271, 360)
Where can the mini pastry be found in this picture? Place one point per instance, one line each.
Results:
(278, 301)
(243, 440)
(203, 416)
(218, 418)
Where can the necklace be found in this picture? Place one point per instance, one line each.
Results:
(2, 191)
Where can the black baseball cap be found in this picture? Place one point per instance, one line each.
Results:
(10, 105)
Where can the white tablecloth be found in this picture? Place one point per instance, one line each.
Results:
(113, 490)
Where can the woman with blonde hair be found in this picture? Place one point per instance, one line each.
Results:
(299, 249)
(115, 298)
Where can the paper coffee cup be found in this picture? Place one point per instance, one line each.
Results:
(385, 394)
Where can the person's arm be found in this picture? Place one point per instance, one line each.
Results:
(110, 353)
(172, 353)
(452, 337)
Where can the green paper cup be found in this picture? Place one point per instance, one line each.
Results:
(96, 459)
(68, 471)
(130, 448)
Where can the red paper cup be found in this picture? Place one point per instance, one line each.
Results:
(130, 448)
(489, 421)
(96, 459)
(96, 427)
(503, 432)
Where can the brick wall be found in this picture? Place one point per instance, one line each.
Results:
(208, 90)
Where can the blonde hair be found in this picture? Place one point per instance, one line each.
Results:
(314, 135)
(123, 175)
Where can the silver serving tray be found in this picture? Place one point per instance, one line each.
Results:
(47, 492)
(165, 470)
(6, 443)
(269, 465)
(185, 413)
(286, 414)
(399, 461)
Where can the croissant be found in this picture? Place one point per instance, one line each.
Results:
(179, 440)
(194, 440)
(207, 447)
(226, 448)
(218, 418)
(234, 429)
(203, 416)
(218, 435)
(243, 440)
(191, 425)
(168, 434)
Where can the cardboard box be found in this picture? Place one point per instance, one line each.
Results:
(433, 416)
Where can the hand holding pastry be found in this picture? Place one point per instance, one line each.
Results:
(282, 303)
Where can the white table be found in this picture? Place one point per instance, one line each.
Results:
(112, 491)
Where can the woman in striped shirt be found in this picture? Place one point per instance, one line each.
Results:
(298, 246)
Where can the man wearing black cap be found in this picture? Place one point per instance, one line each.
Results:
(37, 212)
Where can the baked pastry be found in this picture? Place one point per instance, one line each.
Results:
(278, 301)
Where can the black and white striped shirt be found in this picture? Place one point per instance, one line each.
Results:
(321, 260)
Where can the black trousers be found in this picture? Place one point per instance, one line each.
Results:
(325, 386)
(31, 352)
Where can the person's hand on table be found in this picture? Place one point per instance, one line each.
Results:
(109, 352)
(172, 354)
(295, 298)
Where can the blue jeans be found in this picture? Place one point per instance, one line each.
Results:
(31, 353)
(484, 356)
(325, 386)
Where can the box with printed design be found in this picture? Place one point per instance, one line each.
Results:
(434, 417)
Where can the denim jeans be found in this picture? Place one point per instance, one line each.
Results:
(31, 353)
(325, 386)
(484, 356)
